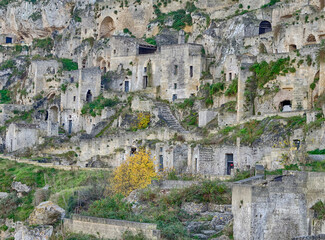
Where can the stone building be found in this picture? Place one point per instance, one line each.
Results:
(278, 208)
(81, 87)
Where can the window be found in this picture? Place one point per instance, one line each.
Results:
(145, 82)
(114, 51)
(174, 97)
(175, 85)
(175, 70)
(230, 163)
(191, 71)
(145, 69)
(74, 98)
(230, 76)
(161, 149)
(161, 162)
(133, 150)
(8, 40)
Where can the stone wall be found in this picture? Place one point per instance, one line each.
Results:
(279, 208)
(109, 228)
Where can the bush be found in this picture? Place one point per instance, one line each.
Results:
(5, 96)
(46, 43)
(95, 107)
(135, 173)
(111, 207)
(319, 210)
(68, 64)
(151, 41)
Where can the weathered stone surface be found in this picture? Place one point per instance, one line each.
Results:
(20, 187)
(209, 233)
(193, 208)
(220, 219)
(3, 195)
(197, 226)
(46, 213)
(200, 236)
(38, 233)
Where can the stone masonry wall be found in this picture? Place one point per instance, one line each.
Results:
(109, 228)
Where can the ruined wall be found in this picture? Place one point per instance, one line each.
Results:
(109, 228)
(276, 209)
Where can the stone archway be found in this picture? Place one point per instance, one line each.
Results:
(265, 27)
(106, 27)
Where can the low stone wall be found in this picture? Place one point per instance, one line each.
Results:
(321, 236)
(109, 228)
(171, 184)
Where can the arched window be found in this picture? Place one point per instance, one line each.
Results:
(265, 27)
(106, 27)
(89, 96)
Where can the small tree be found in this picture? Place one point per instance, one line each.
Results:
(135, 173)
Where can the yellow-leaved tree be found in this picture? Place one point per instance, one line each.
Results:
(135, 173)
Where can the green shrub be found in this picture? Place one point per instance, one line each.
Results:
(68, 64)
(317, 152)
(95, 107)
(151, 41)
(271, 3)
(319, 210)
(46, 43)
(111, 207)
(232, 88)
(5, 96)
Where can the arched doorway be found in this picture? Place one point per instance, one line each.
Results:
(292, 47)
(89, 96)
(265, 27)
(106, 27)
(285, 106)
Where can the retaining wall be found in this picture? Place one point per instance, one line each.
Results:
(109, 228)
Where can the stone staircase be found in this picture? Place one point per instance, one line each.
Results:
(166, 114)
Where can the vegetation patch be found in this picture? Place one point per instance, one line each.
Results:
(95, 107)
(68, 64)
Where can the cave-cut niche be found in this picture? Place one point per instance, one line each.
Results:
(106, 27)
(311, 38)
(265, 27)
(89, 96)
(285, 106)
(292, 47)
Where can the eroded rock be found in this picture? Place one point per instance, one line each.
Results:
(46, 213)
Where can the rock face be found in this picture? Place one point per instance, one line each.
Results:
(20, 187)
(193, 208)
(39, 233)
(3, 195)
(46, 213)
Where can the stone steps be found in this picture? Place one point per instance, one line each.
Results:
(166, 114)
